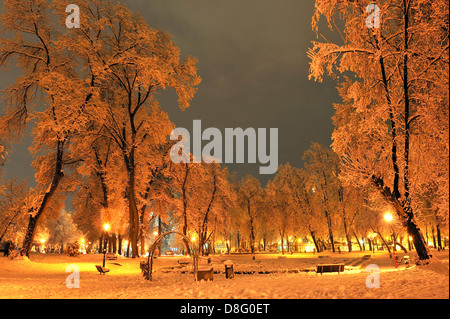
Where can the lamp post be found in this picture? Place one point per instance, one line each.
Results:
(388, 217)
(193, 240)
(105, 233)
(195, 257)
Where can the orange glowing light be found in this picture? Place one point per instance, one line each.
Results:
(388, 217)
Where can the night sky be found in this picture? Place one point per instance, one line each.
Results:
(254, 67)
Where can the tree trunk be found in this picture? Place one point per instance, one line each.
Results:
(330, 230)
(142, 229)
(119, 250)
(322, 244)
(288, 244)
(159, 234)
(110, 244)
(382, 239)
(418, 240)
(100, 244)
(204, 227)
(349, 242)
(133, 230)
(33, 219)
(142, 238)
(128, 249)
(132, 207)
(357, 240)
(434, 237)
(185, 222)
(313, 235)
(406, 216)
(252, 233)
(114, 243)
(238, 239)
(439, 239)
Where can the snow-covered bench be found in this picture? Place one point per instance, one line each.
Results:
(101, 270)
(330, 268)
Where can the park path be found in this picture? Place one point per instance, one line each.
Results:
(358, 261)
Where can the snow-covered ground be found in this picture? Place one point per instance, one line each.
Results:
(43, 276)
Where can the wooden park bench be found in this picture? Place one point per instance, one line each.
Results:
(330, 268)
(111, 256)
(183, 263)
(205, 274)
(101, 270)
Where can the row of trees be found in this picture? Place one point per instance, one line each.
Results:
(206, 204)
(313, 203)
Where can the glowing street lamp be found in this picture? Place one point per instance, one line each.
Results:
(106, 227)
(388, 217)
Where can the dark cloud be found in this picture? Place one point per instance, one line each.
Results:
(253, 61)
(254, 66)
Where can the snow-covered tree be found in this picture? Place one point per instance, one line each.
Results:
(48, 72)
(127, 62)
(249, 197)
(322, 165)
(99, 79)
(391, 131)
(283, 213)
(201, 197)
(12, 208)
(63, 230)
